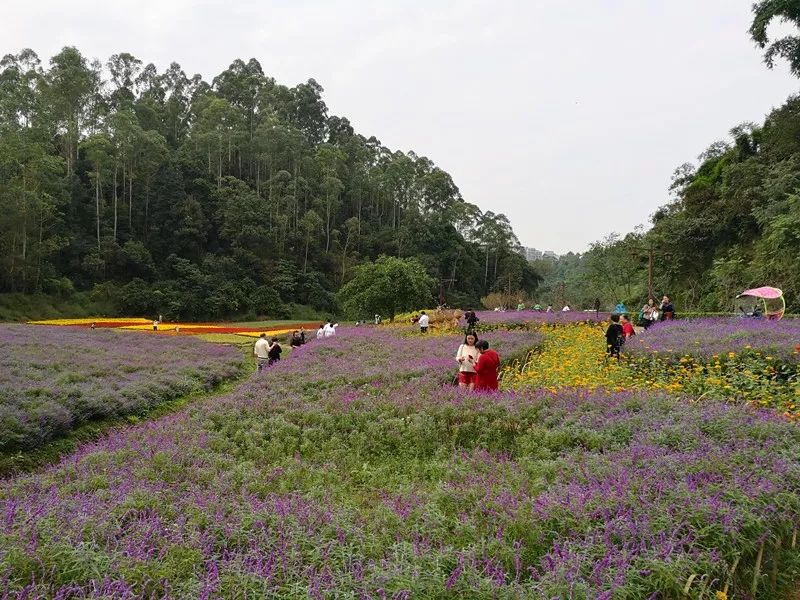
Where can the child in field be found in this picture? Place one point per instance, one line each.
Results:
(627, 328)
(614, 337)
(486, 368)
(466, 356)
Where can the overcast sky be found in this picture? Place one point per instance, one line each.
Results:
(567, 116)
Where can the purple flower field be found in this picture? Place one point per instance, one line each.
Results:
(491, 317)
(352, 469)
(704, 338)
(55, 378)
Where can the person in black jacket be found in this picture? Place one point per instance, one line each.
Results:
(614, 336)
(472, 320)
(667, 309)
(274, 352)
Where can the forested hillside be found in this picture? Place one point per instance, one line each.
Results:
(733, 221)
(164, 193)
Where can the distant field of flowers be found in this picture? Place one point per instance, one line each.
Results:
(55, 378)
(513, 316)
(176, 328)
(745, 360)
(353, 469)
(705, 338)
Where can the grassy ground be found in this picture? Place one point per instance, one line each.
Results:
(25, 307)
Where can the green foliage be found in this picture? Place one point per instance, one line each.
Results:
(203, 193)
(733, 224)
(787, 47)
(386, 287)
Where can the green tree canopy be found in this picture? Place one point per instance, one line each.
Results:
(386, 287)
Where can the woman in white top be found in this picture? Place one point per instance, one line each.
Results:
(466, 356)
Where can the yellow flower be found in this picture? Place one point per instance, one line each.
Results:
(721, 595)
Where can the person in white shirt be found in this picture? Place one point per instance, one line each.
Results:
(321, 332)
(423, 322)
(566, 308)
(330, 329)
(261, 351)
(467, 356)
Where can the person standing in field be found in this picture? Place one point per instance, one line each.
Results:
(472, 321)
(627, 328)
(302, 336)
(330, 329)
(155, 324)
(597, 306)
(467, 356)
(261, 351)
(486, 368)
(321, 332)
(614, 337)
(274, 352)
(424, 320)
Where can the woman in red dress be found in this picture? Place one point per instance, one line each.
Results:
(486, 367)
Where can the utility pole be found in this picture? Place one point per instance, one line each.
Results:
(448, 281)
(650, 252)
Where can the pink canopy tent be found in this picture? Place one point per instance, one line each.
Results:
(771, 303)
(769, 293)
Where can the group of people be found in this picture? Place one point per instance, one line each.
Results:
(477, 364)
(267, 352)
(327, 329)
(652, 313)
(620, 329)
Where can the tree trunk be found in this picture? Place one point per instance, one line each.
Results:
(486, 271)
(146, 205)
(344, 258)
(219, 169)
(97, 207)
(130, 203)
(39, 253)
(328, 224)
(296, 198)
(115, 202)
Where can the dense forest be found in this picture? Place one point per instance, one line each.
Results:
(164, 193)
(733, 221)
